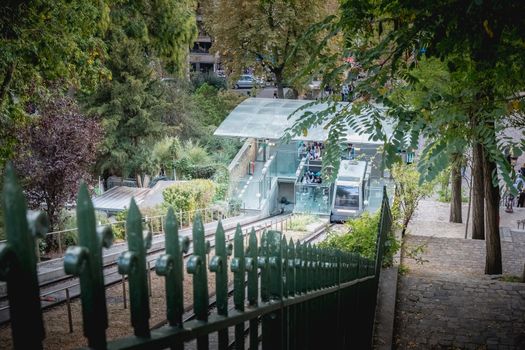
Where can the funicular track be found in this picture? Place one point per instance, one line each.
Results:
(315, 237)
(64, 288)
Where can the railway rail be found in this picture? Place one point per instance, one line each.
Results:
(63, 288)
(317, 236)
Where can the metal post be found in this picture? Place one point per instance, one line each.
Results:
(219, 265)
(196, 266)
(149, 278)
(69, 317)
(133, 264)
(238, 268)
(85, 261)
(124, 292)
(271, 326)
(170, 265)
(59, 244)
(253, 287)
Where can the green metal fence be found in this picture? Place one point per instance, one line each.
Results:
(292, 295)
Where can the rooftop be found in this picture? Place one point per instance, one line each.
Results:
(268, 118)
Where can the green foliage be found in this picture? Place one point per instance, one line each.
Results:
(266, 35)
(119, 229)
(443, 180)
(361, 238)
(189, 195)
(408, 192)
(301, 221)
(199, 79)
(403, 270)
(69, 219)
(223, 150)
(511, 279)
(36, 51)
(445, 71)
(143, 38)
(415, 252)
(222, 183)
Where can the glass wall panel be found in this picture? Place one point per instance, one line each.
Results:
(313, 199)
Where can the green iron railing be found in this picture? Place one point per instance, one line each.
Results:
(293, 295)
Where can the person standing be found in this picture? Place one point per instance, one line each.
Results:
(519, 185)
(344, 93)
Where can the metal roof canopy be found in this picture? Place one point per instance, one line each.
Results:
(267, 118)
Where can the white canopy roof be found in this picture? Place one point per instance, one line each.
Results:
(267, 118)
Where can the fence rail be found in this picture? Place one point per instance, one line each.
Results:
(184, 218)
(298, 296)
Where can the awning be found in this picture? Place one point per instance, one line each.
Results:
(267, 118)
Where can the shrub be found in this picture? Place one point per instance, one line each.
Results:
(201, 171)
(189, 195)
(119, 230)
(361, 238)
(202, 81)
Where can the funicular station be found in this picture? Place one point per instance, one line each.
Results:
(269, 175)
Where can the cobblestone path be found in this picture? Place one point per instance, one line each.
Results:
(448, 303)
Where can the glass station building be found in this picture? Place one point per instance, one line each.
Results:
(269, 175)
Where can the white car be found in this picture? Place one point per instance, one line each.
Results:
(246, 82)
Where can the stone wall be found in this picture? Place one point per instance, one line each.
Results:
(238, 167)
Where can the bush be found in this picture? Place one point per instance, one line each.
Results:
(361, 238)
(190, 195)
(222, 182)
(119, 230)
(199, 80)
(201, 171)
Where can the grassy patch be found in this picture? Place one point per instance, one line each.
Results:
(510, 278)
(299, 222)
(403, 270)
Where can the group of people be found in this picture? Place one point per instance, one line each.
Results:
(311, 150)
(311, 177)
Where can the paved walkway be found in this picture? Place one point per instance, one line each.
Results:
(447, 302)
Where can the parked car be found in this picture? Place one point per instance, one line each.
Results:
(246, 82)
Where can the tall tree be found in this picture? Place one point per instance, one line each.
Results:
(36, 49)
(143, 37)
(481, 40)
(265, 34)
(56, 152)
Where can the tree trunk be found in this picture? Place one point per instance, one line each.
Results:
(455, 181)
(279, 83)
(478, 196)
(7, 81)
(493, 264)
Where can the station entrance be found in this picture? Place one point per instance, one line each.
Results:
(272, 176)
